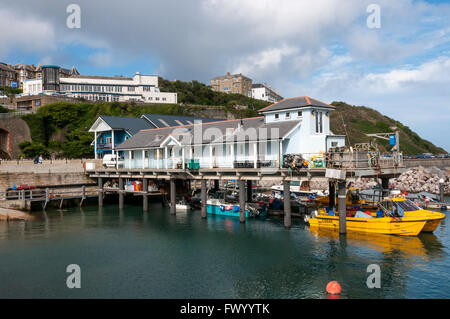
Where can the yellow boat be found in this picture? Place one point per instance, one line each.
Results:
(407, 208)
(406, 226)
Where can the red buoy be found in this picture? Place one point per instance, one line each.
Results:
(333, 288)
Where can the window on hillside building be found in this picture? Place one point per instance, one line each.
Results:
(299, 114)
(277, 116)
(288, 115)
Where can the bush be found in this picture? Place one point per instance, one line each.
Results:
(32, 149)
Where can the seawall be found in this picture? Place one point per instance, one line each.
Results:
(58, 172)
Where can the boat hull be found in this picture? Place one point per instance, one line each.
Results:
(216, 210)
(385, 225)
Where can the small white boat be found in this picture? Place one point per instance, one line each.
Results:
(182, 206)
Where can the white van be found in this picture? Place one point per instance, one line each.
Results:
(109, 160)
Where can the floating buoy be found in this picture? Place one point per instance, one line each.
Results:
(333, 288)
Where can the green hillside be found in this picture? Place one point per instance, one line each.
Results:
(361, 120)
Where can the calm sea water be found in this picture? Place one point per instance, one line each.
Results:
(131, 254)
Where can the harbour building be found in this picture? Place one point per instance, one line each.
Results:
(110, 131)
(292, 126)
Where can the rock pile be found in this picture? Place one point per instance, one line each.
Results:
(415, 180)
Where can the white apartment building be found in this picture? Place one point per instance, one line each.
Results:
(140, 88)
(264, 93)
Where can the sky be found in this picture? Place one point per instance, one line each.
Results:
(331, 50)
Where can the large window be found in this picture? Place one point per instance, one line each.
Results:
(319, 122)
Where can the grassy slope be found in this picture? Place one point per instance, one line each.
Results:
(360, 120)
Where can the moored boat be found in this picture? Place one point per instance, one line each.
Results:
(406, 226)
(219, 207)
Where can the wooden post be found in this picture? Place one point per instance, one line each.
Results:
(287, 204)
(216, 184)
(145, 196)
(24, 204)
(173, 195)
(332, 196)
(121, 192)
(242, 201)
(100, 192)
(203, 197)
(83, 195)
(342, 207)
(47, 197)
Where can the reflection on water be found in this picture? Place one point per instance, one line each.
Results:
(127, 253)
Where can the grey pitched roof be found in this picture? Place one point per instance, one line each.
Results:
(230, 76)
(130, 124)
(303, 101)
(212, 132)
(161, 121)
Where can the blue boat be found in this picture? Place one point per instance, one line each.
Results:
(218, 207)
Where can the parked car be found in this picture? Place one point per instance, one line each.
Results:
(109, 160)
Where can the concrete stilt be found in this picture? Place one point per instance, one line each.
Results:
(441, 191)
(100, 192)
(173, 194)
(342, 207)
(121, 193)
(203, 198)
(242, 201)
(332, 196)
(287, 204)
(249, 191)
(145, 196)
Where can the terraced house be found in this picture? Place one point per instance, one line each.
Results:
(292, 126)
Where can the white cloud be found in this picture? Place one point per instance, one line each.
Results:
(24, 32)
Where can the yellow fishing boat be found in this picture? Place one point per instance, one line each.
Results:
(406, 226)
(407, 208)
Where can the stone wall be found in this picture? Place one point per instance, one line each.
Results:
(59, 172)
(441, 163)
(18, 132)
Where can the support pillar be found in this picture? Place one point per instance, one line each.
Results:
(242, 201)
(145, 196)
(203, 197)
(100, 192)
(287, 204)
(121, 193)
(342, 207)
(216, 184)
(441, 190)
(173, 195)
(249, 191)
(332, 196)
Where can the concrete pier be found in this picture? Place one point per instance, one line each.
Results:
(203, 197)
(242, 201)
(173, 194)
(287, 204)
(121, 193)
(100, 192)
(342, 198)
(145, 196)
